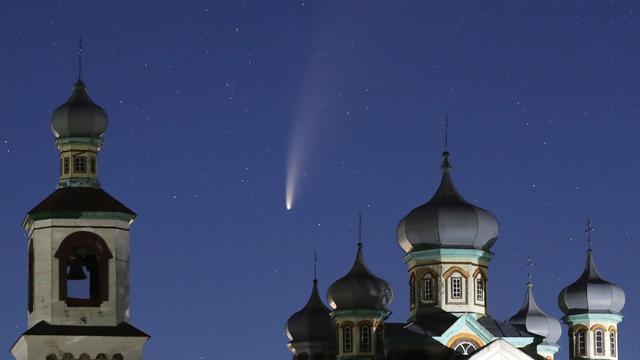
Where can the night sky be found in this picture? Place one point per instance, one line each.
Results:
(207, 100)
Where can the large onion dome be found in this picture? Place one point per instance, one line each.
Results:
(532, 319)
(447, 221)
(591, 293)
(312, 323)
(79, 116)
(360, 289)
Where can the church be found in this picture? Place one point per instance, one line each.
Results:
(448, 243)
(78, 280)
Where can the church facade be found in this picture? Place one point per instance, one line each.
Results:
(78, 293)
(447, 243)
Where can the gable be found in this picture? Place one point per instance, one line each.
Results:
(500, 349)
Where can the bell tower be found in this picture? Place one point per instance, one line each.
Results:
(78, 302)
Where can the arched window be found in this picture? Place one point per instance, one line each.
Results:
(412, 291)
(480, 289)
(365, 338)
(598, 337)
(347, 339)
(613, 342)
(81, 253)
(465, 347)
(581, 343)
(428, 288)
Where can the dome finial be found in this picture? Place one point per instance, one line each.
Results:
(446, 166)
(80, 58)
(315, 266)
(589, 230)
(359, 229)
(529, 270)
(446, 131)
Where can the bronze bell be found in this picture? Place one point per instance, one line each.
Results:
(76, 271)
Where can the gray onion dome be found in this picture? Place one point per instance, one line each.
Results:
(447, 221)
(312, 323)
(591, 293)
(360, 289)
(79, 116)
(532, 319)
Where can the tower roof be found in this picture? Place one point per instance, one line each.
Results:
(360, 289)
(447, 221)
(532, 319)
(312, 323)
(72, 202)
(79, 116)
(591, 293)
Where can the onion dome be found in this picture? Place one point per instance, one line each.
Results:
(591, 293)
(532, 319)
(312, 323)
(360, 289)
(447, 221)
(79, 116)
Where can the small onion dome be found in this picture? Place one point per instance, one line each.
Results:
(532, 319)
(360, 289)
(79, 116)
(312, 323)
(591, 294)
(447, 221)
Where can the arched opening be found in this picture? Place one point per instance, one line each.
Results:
(429, 290)
(480, 289)
(83, 259)
(465, 346)
(598, 341)
(613, 343)
(581, 343)
(347, 339)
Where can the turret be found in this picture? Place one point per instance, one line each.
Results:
(448, 242)
(592, 308)
(359, 301)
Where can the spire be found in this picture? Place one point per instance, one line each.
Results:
(80, 59)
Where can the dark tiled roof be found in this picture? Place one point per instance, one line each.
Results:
(76, 200)
(123, 329)
(501, 328)
(436, 323)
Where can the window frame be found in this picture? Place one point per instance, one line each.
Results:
(80, 164)
(347, 334)
(598, 342)
(365, 340)
(581, 343)
(428, 285)
(66, 165)
(613, 343)
(480, 290)
(456, 281)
